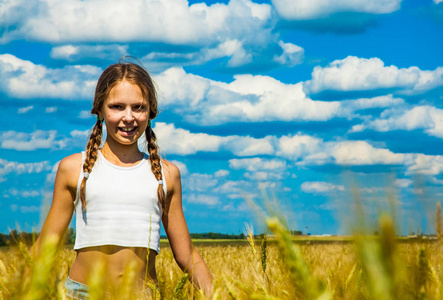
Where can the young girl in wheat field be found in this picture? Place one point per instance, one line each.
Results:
(120, 195)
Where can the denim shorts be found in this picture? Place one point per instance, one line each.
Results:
(76, 290)
(80, 291)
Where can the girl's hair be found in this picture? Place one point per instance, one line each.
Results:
(112, 76)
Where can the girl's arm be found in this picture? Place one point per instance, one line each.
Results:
(177, 231)
(62, 206)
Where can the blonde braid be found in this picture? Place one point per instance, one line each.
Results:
(92, 147)
(156, 167)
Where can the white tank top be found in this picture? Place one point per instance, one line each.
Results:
(122, 206)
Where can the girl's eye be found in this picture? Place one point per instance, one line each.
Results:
(139, 107)
(116, 106)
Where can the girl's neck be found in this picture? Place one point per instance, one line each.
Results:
(121, 155)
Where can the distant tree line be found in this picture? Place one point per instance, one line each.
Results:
(218, 236)
(14, 237)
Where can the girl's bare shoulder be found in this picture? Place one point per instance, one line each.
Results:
(70, 167)
(170, 169)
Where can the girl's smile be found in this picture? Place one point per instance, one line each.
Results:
(125, 113)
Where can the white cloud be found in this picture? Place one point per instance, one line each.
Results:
(257, 164)
(7, 167)
(25, 209)
(361, 74)
(76, 52)
(13, 192)
(23, 110)
(247, 99)
(320, 187)
(428, 118)
(308, 150)
(167, 21)
(248, 146)
(180, 141)
(362, 153)
(51, 109)
(312, 9)
(219, 30)
(305, 150)
(260, 169)
(200, 182)
(403, 183)
(24, 79)
(202, 199)
(425, 164)
(181, 166)
(239, 52)
(299, 146)
(85, 114)
(438, 1)
(365, 103)
(292, 54)
(221, 173)
(176, 87)
(80, 133)
(65, 52)
(264, 176)
(30, 141)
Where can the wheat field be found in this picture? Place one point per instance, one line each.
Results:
(276, 266)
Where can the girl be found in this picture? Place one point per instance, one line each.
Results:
(119, 194)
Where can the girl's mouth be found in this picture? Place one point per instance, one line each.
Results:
(127, 130)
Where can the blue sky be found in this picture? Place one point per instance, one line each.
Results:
(315, 105)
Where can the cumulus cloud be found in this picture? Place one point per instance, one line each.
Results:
(76, 52)
(320, 187)
(425, 164)
(40, 139)
(403, 183)
(202, 199)
(299, 146)
(260, 169)
(7, 167)
(426, 117)
(375, 102)
(24, 79)
(209, 189)
(181, 166)
(247, 99)
(239, 55)
(264, 176)
(180, 141)
(361, 74)
(221, 173)
(183, 142)
(23, 110)
(257, 164)
(24, 209)
(308, 150)
(13, 192)
(168, 21)
(50, 110)
(292, 54)
(312, 9)
(362, 153)
(231, 30)
(29, 141)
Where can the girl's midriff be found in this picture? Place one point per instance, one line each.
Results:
(115, 261)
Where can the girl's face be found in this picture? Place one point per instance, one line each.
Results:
(125, 113)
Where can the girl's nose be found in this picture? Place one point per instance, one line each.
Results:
(128, 115)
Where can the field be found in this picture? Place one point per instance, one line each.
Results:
(278, 266)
